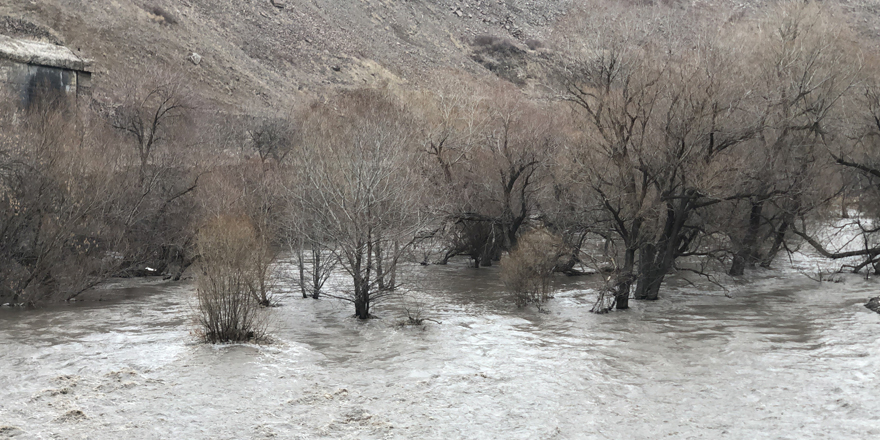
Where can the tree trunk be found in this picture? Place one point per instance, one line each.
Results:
(391, 282)
(778, 239)
(362, 308)
(485, 258)
(301, 266)
(316, 273)
(746, 255)
(362, 300)
(647, 254)
(624, 281)
(380, 267)
(446, 256)
(649, 282)
(738, 266)
(655, 261)
(621, 295)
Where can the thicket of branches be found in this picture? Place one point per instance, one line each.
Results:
(231, 282)
(681, 142)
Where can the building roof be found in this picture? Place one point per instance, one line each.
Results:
(41, 54)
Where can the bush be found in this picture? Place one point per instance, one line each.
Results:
(491, 43)
(57, 200)
(527, 270)
(230, 278)
(486, 40)
(163, 15)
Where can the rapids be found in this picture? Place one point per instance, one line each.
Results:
(779, 357)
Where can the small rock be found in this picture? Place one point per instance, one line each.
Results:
(336, 68)
(874, 304)
(278, 4)
(194, 58)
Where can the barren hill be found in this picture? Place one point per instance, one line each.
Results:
(258, 53)
(255, 52)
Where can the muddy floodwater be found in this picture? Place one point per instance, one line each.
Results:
(779, 357)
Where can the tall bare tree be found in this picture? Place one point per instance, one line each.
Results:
(803, 71)
(360, 184)
(658, 126)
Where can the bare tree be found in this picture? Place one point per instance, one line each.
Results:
(157, 118)
(151, 112)
(659, 124)
(804, 71)
(312, 252)
(273, 138)
(360, 185)
(493, 151)
(56, 187)
(855, 239)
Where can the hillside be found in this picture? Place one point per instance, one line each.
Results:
(262, 53)
(257, 52)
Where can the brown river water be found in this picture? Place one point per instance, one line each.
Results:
(780, 357)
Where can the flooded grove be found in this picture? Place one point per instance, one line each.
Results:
(779, 356)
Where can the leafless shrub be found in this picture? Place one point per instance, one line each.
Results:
(245, 191)
(273, 138)
(55, 195)
(163, 16)
(485, 40)
(415, 315)
(230, 277)
(491, 43)
(527, 270)
(534, 44)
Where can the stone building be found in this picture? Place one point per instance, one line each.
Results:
(30, 70)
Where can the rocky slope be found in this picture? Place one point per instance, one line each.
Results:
(262, 52)
(266, 53)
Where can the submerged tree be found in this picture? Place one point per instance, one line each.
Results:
(357, 183)
(490, 152)
(855, 238)
(659, 126)
(803, 72)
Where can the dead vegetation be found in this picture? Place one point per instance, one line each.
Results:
(230, 279)
(161, 15)
(527, 271)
